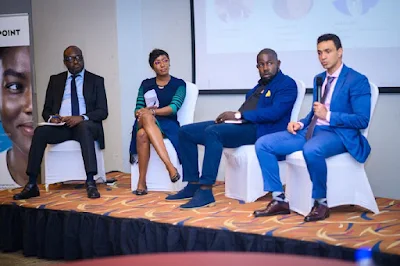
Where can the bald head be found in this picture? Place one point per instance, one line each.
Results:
(72, 48)
(272, 54)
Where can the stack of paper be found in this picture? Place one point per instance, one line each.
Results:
(151, 99)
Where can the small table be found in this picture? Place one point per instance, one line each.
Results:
(211, 259)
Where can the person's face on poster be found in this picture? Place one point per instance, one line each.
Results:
(16, 96)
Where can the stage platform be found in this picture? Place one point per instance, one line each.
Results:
(64, 224)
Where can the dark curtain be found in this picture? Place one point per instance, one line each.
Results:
(71, 235)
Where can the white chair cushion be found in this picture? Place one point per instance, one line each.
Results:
(157, 178)
(243, 177)
(347, 183)
(63, 162)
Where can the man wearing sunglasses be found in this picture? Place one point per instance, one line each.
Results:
(76, 98)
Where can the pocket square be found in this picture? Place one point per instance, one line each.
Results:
(268, 94)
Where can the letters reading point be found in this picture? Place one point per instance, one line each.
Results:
(9, 32)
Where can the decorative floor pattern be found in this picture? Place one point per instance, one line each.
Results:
(347, 226)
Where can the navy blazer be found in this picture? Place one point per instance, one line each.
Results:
(95, 99)
(275, 105)
(350, 111)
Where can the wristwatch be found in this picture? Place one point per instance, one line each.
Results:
(238, 115)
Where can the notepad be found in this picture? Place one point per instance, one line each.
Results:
(51, 124)
(151, 99)
(234, 121)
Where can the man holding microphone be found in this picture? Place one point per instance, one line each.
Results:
(332, 127)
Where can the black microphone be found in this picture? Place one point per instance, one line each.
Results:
(319, 88)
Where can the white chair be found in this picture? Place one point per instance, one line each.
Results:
(63, 162)
(243, 178)
(157, 178)
(347, 180)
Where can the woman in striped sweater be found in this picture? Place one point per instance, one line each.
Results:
(157, 119)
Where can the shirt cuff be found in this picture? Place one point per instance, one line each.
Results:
(301, 125)
(328, 116)
(51, 117)
(85, 117)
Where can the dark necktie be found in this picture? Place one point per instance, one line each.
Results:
(311, 127)
(74, 97)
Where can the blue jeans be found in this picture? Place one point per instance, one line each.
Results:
(324, 144)
(214, 137)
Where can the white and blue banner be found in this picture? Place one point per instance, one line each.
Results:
(16, 91)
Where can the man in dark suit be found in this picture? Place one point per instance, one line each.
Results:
(332, 127)
(267, 109)
(78, 99)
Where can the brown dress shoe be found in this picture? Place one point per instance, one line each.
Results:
(318, 212)
(29, 191)
(273, 208)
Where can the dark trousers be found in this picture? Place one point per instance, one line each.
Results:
(85, 133)
(214, 137)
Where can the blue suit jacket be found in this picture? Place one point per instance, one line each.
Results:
(350, 111)
(275, 105)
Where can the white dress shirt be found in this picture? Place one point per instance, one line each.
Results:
(66, 108)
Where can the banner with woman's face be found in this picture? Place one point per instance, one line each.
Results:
(16, 91)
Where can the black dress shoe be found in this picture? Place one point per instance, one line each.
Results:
(176, 177)
(91, 190)
(273, 208)
(318, 212)
(29, 191)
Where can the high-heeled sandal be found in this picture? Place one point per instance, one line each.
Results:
(140, 192)
(176, 177)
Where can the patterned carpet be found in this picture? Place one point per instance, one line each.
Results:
(347, 226)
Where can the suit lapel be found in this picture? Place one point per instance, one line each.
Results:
(271, 86)
(87, 85)
(59, 91)
(339, 83)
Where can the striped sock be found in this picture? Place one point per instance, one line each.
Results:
(279, 196)
(322, 201)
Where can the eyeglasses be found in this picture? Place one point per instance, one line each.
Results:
(165, 61)
(70, 59)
